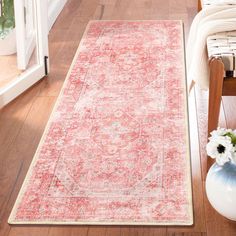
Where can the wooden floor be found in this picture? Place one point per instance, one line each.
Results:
(22, 122)
(9, 71)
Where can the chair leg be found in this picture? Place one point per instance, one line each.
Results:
(215, 93)
(199, 5)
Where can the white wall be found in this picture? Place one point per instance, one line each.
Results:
(54, 9)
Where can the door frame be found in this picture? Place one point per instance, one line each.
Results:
(38, 71)
(25, 36)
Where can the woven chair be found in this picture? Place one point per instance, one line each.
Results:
(221, 49)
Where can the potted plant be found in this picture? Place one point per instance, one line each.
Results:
(7, 28)
(221, 178)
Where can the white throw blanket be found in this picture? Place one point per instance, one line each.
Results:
(210, 20)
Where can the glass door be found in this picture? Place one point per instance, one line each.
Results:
(31, 26)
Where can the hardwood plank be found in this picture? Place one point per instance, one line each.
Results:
(12, 118)
(132, 230)
(113, 231)
(187, 234)
(87, 9)
(24, 231)
(153, 231)
(96, 231)
(8, 70)
(229, 88)
(19, 157)
(143, 231)
(51, 85)
(9, 200)
(79, 231)
(105, 10)
(68, 231)
(66, 17)
(141, 10)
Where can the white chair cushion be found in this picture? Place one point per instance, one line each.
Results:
(222, 45)
(217, 2)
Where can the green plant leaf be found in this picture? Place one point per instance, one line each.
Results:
(232, 136)
(7, 20)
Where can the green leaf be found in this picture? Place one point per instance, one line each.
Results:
(232, 136)
(7, 20)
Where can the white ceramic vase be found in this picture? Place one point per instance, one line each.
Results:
(221, 189)
(8, 44)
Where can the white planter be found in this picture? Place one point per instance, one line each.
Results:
(8, 44)
(221, 189)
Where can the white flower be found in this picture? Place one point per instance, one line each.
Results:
(220, 148)
(220, 132)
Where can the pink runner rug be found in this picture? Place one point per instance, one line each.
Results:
(116, 149)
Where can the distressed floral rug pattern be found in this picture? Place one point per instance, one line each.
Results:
(116, 150)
